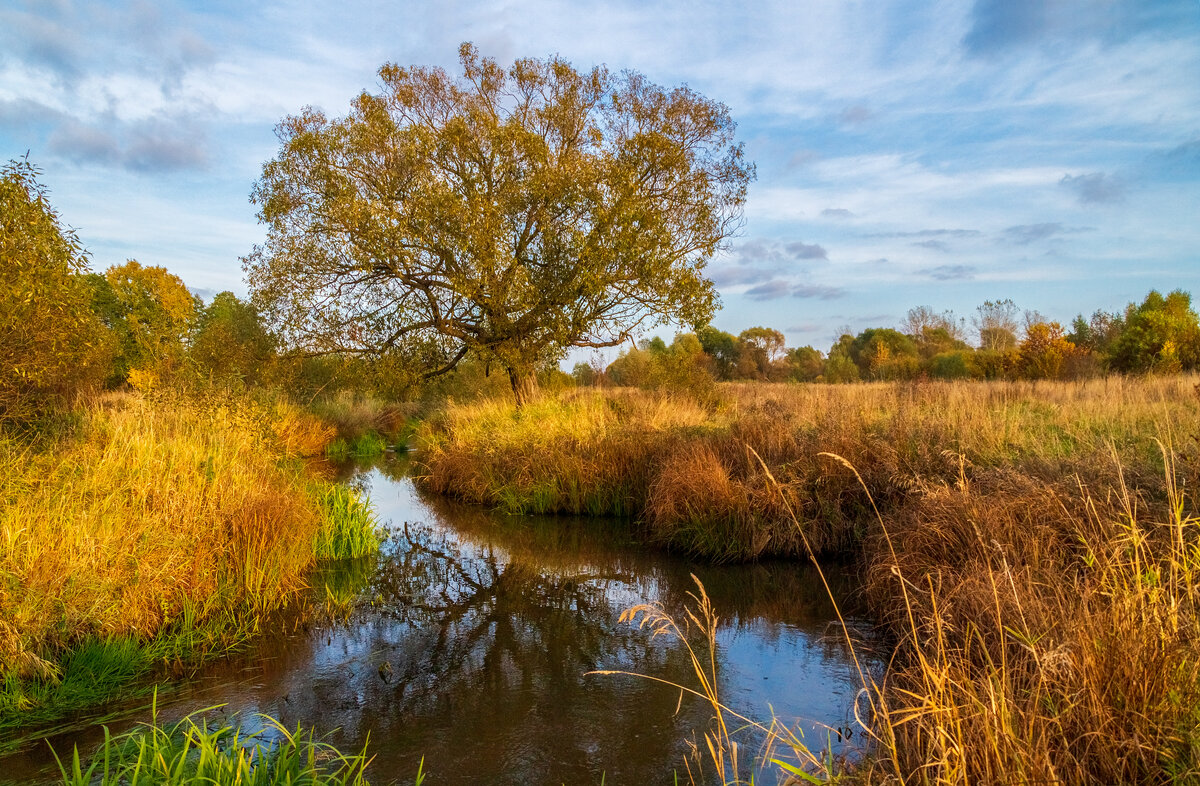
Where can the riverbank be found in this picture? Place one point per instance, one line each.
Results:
(1033, 549)
(158, 531)
(718, 480)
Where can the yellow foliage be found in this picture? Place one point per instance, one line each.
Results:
(143, 380)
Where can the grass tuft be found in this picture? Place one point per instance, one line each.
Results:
(198, 749)
(350, 527)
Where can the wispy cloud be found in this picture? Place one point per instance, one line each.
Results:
(769, 291)
(800, 250)
(1095, 188)
(951, 233)
(818, 292)
(165, 144)
(760, 251)
(1000, 25)
(855, 115)
(949, 272)
(1024, 234)
(738, 275)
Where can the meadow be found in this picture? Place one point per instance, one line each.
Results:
(1030, 549)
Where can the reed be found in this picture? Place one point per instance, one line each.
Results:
(165, 530)
(1045, 633)
(721, 756)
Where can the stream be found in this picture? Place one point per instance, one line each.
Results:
(467, 642)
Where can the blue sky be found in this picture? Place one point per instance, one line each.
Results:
(908, 153)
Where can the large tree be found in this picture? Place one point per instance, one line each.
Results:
(505, 213)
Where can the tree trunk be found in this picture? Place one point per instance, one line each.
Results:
(524, 385)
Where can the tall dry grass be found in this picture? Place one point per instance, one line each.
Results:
(354, 415)
(170, 524)
(580, 452)
(687, 471)
(1047, 633)
(1043, 634)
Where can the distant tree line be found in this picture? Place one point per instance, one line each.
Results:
(65, 330)
(1160, 335)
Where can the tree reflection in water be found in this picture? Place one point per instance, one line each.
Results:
(472, 634)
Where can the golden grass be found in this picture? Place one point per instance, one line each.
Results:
(580, 452)
(1046, 634)
(299, 433)
(165, 513)
(635, 453)
(1042, 634)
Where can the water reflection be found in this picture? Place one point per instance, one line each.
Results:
(467, 641)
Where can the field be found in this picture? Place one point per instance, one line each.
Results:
(1032, 549)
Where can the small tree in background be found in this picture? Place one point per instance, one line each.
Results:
(722, 350)
(997, 322)
(883, 353)
(229, 341)
(761, 353)
(840, 366)
(52, 347)
(1045, 352)
(805, 364)
(151, 311)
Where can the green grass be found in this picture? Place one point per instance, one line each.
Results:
(98, 670)
(351, 528)
(199, 750)
(366, 446)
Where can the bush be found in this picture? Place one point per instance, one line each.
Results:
(1161, 335)
(230, 341)
(951, 365)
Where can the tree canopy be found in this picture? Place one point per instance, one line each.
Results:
(51, 345)
(504, 213)
(150, 310)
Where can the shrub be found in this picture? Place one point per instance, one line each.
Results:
(951, 365)
(1161, 335)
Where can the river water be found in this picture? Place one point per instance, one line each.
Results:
(468, 642)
